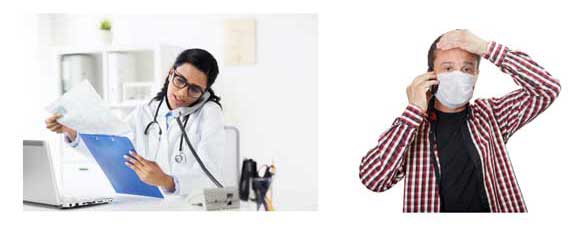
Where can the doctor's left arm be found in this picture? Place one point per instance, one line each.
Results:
(78, 145)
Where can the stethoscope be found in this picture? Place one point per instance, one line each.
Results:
(180, 157)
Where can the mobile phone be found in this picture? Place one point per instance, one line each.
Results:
(434, 89)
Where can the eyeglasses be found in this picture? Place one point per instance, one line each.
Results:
(180, 82)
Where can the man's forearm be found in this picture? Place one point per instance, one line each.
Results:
(525, 72)
(379, 167)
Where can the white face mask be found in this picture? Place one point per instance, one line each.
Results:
(455, 88)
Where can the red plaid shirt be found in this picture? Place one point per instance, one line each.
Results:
(403, 150)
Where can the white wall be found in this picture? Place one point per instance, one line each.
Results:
(273, 103)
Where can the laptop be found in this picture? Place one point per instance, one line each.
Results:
(40, 186)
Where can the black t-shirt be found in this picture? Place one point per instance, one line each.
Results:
(461, 187)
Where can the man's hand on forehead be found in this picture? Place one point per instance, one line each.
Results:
(464, 40)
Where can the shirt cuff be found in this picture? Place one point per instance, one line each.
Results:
(413, 116)
(495, 53)
(72, 143)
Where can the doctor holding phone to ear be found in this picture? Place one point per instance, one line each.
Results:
(163, 158)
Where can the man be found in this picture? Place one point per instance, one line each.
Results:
(452, 153)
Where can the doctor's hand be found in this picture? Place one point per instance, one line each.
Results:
(418, 91)
(464, 40)
(56, 127)
(149, 171)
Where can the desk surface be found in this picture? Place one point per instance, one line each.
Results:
(136, 203)
(94, 183)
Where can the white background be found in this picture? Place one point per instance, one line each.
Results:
(368, 53)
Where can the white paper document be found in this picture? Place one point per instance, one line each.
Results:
(83, 109)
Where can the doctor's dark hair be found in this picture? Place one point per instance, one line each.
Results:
(204, 62)
(431, 55)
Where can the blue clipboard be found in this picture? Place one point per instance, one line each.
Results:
(109, 150)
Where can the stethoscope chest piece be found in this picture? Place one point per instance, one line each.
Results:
(179, 158)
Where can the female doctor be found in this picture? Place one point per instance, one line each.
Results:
(162, 157)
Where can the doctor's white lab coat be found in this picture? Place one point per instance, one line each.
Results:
(205, 129)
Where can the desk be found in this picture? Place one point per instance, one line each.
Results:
(137, 203)
(93, 182)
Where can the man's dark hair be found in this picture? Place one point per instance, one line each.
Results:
(431, 56)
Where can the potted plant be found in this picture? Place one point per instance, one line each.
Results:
(106, 34)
